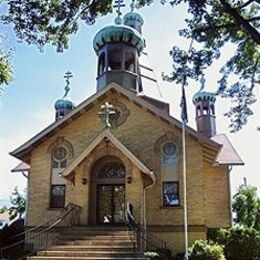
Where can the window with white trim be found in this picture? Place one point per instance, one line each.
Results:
(170, 176)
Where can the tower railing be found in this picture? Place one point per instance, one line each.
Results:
(42, 236)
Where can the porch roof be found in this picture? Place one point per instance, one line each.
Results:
(106, 134)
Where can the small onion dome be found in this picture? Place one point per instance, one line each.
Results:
(118, 33)
(203, 96)
(133, 16)
(64, 104)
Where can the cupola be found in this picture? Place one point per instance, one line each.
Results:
(205, 111)
(118, 47)
(64, 105)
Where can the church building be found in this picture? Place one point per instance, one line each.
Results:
(122, 147)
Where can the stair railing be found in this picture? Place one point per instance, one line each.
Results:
(144, 241)
(42, 236)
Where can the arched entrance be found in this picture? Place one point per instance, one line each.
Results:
(108, 192)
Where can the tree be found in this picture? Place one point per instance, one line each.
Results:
(246, 206)
(18, 208)
(210, 25)
(5, 65)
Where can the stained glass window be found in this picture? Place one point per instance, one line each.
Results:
(59, 157)
(112, 170)
(171, 194)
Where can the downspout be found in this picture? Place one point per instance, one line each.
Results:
(144, 210)
(230, 195)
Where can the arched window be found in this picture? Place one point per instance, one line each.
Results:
(198, 111)
(112, 170)
(101, 64)
(212, 108)
(130, 61)
(170, 177)
(115, 58)
(61, 154)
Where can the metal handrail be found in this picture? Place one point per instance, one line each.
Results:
(44, 235)
(144, 240)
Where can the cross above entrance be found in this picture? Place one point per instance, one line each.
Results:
(105, 112)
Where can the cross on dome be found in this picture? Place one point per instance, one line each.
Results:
(67, 76)
(133, 6)
(119, 4)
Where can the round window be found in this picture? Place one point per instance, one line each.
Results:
(60, 154)
(170, 149)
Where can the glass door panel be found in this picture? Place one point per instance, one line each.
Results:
(119, 203)
(110, 204)
(104, 204)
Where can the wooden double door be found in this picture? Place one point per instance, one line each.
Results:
(110, 204)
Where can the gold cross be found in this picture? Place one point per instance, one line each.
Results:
(106, 111)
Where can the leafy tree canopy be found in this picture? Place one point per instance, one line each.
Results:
(18, 205)
(210, 25)
(246, 206)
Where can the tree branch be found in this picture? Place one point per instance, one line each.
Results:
(245, 4)
(254, 19)
(240, 20)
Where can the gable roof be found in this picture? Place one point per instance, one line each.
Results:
(23, 152)
(106, 134)
(227, 154)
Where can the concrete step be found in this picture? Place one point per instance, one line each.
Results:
(91, 247)
(88, 253)
(98, 232)
(85, 258)
(100, 228)
(95, 242)
(95, 236)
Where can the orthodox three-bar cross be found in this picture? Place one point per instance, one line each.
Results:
(67, 76)
(105, 112)
(118, 5)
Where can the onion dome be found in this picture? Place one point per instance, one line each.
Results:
(134, 20)
(118, 33)
(204, 96)
(64, 105)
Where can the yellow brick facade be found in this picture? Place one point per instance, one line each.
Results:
(207, 186)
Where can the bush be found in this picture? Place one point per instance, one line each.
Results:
(242, 243)
(204, 250)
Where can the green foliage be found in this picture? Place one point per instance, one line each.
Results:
(18, 208)
(212, 24)
(240, 242)
(5, 65)
(202, 249)
(41, 22)
(246, 206)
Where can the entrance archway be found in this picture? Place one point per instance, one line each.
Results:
(107, 191)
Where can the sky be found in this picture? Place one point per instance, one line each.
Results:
(27, 105)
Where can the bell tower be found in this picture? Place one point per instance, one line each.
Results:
(118, 48)
(205, 111)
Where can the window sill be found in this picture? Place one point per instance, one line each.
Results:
(55, 208)
(171, 207)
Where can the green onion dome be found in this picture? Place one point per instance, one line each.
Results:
(203, 96)
(118, 33)
(64, 104)
(133, 16)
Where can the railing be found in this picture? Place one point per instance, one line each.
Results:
(143, 240)
(42, 236)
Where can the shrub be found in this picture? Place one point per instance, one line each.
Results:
(242, 243)
(204, 250)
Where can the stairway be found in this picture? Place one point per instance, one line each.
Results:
(82, 243)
